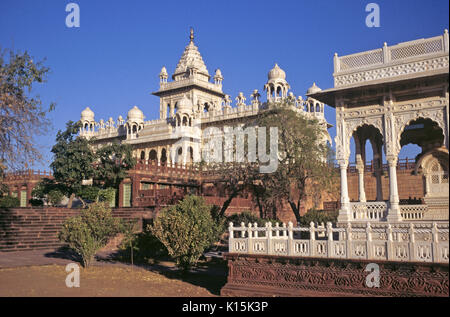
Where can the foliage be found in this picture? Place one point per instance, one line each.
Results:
(112, 163)
(305, 160)
(73, 160)
(318, 216)
(186, 230)
(9, 202)
(107, 195)
(4, 190)
(41, 192)
(89, 193)
(90, 231)
(54, 197)
(248, 217)
(22, 115)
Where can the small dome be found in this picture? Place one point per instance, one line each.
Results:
(185, 104)
(87, 115)
(276, 73)
(163, 72)
(218, 73)
(135, 114)
(313, 89)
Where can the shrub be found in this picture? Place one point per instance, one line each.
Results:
(9, 202)
(54, 197)
(90, 231)
(186, 230)
(318, 216)
(248, 217)
(89, 193)
(107, 195)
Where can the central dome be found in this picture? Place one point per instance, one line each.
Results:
(184, 105)
(276, 73)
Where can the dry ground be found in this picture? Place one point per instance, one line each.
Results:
(49, 280)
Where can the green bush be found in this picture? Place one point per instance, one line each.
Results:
(318, 216)
(186, 230)
(108, 195)
(54, 197)
(89, 193)
(9, 202)
(90, 231)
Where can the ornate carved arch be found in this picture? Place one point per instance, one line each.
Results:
(401, 121)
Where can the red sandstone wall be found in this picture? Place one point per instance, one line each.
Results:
(409, 185)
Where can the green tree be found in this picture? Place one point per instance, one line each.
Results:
(22, 115)
(89, 232)
(73, 160)
(305, 164)
(112, 163)
(186, 230)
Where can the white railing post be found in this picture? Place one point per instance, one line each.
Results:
(336, 63)
(250, 240)
(269, 237)
(329, 239)
(243, 230)
(230, 238)
(386, 55)
(389, 247)
(290, 238)
(435, 242)
(412, 240)
(369, 241)
(312, 238)
(348, 233)
(446, 40)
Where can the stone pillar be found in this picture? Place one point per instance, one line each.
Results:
(344, 212)
(360, 168)
(394, 206)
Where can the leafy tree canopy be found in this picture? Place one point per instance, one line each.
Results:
(22, 115)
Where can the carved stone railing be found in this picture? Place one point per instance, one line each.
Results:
(189, 81)
(392, 61)
(368, 211)
(413, 212)
(424, 242)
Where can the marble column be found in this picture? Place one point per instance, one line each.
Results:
(394, 206)
(344, 212)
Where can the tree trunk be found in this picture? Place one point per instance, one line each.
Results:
(227, 203)
(69, 204)
(296, 210)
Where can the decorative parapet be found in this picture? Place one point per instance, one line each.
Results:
(421, 242)
(188, 82)
(392, 61)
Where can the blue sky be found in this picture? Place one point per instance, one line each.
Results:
(112, 62)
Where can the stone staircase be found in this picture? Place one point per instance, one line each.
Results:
(37, 228)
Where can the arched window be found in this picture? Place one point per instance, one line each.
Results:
(185, 121)
(163, 156)
(143, 155)
(134, 128)
(317, 107)
(152, 156)
(86, 126)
